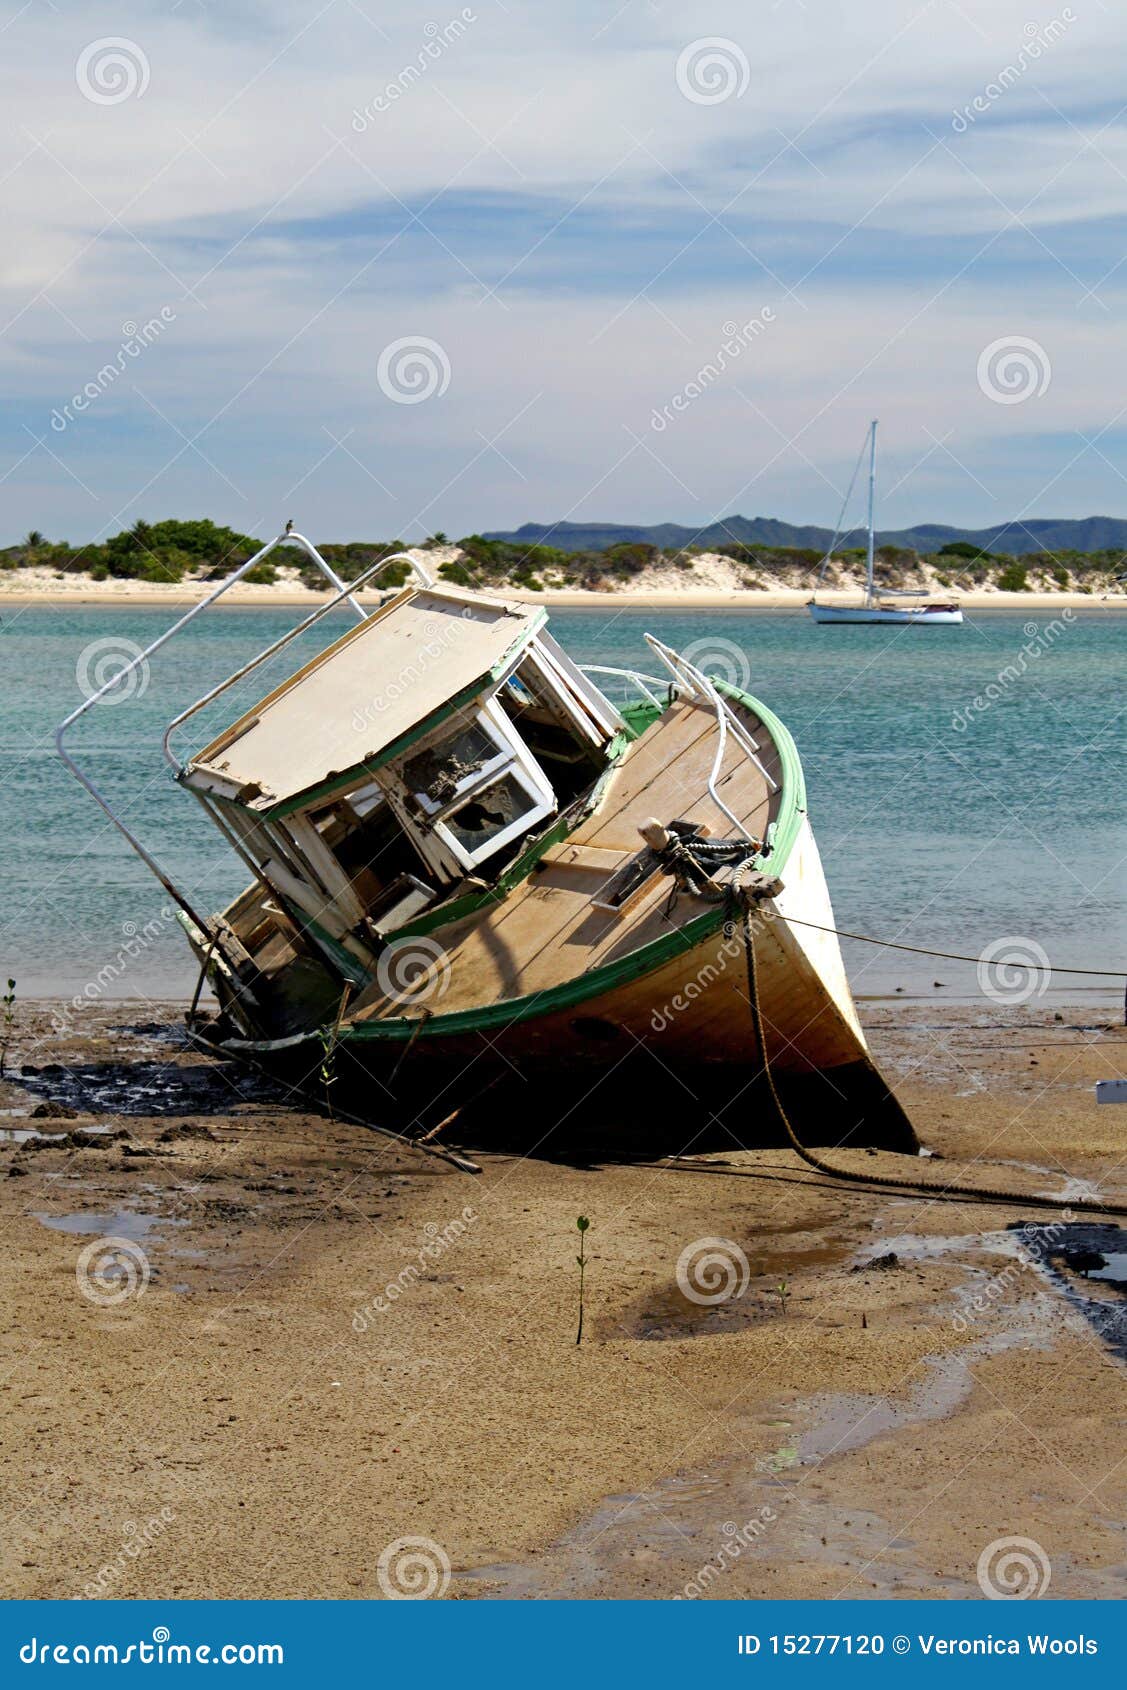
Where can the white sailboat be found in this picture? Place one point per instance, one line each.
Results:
(874, 607)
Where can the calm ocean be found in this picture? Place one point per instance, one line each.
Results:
(940, 823)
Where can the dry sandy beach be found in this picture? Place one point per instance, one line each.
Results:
(323, 1363)
(715, 584)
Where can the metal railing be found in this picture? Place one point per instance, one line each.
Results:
(343, 594)
(696, 683)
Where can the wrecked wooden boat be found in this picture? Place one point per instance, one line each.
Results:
(466, 861)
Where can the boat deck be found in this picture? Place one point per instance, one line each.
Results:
(549, 930)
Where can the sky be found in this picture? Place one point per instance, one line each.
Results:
(389, 270)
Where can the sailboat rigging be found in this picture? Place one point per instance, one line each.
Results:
(874, 608)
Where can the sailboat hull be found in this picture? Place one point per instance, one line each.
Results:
(925, 616)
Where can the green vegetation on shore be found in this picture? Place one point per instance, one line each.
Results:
(174, 551)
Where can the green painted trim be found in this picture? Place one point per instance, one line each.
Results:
(792, 810)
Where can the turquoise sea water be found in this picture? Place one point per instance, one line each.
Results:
(940, 823)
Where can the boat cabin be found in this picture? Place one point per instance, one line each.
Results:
(410, 761)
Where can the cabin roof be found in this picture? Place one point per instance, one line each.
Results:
(367, 696)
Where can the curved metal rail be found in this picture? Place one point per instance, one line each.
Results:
(694, 681)
(343, 593)
(284, 640)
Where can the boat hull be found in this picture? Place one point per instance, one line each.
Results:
(687, 1025)
(923, 617)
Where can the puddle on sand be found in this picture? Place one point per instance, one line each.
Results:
(1083, 1263)
(666, 1312)
(21, 1135)
(120, 1223)
(655, 1543)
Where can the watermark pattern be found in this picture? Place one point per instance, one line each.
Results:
(1038, 640)
(413, 1569)
(413, 369)
(160, 1650)
(721, 660)
(100, 660)
(135, 337)
(712, 70)
(112, 1271)
(413, 970)
(737, 338)
(1013, 369)
(437, 1242)
(1013, 1569)
(438, 38)
(439, 638)
(736, 1540)
(1013, 969)
(1034, 1245)
(1038, 39)
(711, 1270)
(136, 940)
(730, 950)
(137, 1540)
(111, 70)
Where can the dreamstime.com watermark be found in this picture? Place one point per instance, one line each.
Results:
(137, 1540)
(438, 37)
(160, 1651)
(413, 369)
(1038, 39)
(101, 661)
(1013, 1569)
(732, 949)
(1038, 640)
(135, 337)
(737, 338)
(712, 1270)
(435, 1245)
(1034, 1245)
(711, 70)
(413, 1569)
(1012, 369)
(1013, 969)
(736, 1540)
(136, 940)
(440, 637)
(720, 660)
(112, 1271)
(413, 971)
(112, 70)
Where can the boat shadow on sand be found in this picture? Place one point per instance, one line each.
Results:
(637, 1111)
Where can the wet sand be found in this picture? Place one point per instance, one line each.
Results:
(342, 1344)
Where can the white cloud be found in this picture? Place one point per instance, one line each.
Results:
(239, 190)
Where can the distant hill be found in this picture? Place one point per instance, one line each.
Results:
(1081, 534)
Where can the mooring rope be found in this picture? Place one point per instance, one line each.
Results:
(891, 1181)
(1045, 967)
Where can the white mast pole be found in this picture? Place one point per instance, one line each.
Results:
(872, 487)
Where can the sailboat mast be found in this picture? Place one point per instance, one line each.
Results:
(872, 493)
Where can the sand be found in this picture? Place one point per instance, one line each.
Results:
(343, 1344)
(715, 583)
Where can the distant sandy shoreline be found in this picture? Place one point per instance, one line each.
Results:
(132, 595)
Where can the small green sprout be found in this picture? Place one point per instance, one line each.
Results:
(782, 1292)
(582, 1224)
(9, 1021)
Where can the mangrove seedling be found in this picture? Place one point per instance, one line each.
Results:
(9, 1002)
(328, 1037)
(782, 1292)
(582, 1223)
